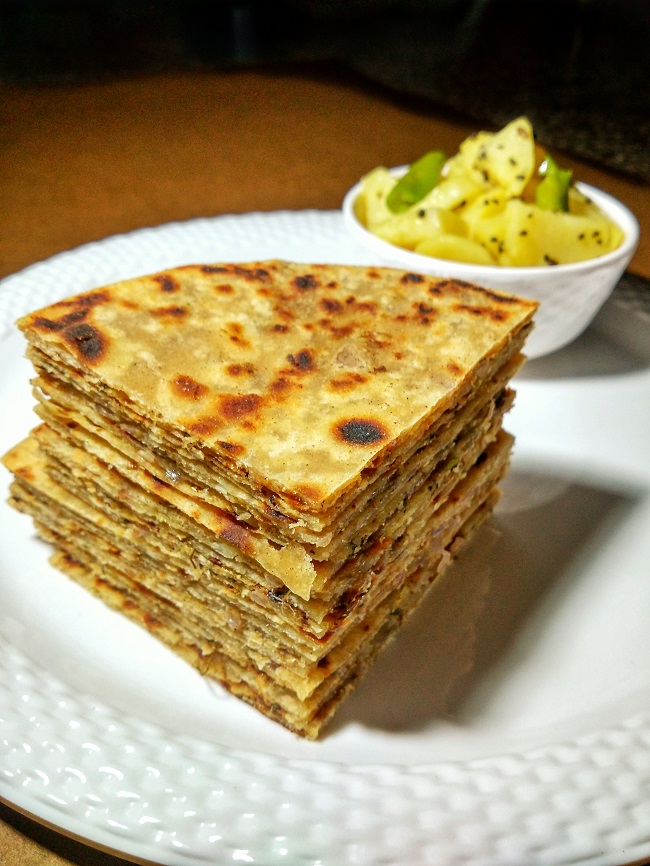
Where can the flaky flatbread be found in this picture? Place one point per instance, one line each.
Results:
(267, 464)
(291, 378)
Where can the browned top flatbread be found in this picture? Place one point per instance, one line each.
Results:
(295, 377)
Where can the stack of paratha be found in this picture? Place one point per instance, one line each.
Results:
(267, 464)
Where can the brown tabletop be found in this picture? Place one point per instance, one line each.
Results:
(80, 163)
(84, 162)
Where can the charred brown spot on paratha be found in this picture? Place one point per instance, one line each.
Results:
(360, 431)
(237, 370)
(453, 368)
(453, 287)
(93, 299)
(495, 296)
(411, 278)
(302, 360)
(357, 306)
(253, 274)
(331, 305)
(188, 388)
(424, 313)
(339, 332)
(224, 288)
(151, 622)
(280, 386)
(301, 364)
(347, 381)
(81, 306)
(235, 406)
(167, 283)
(248, 273)
(172, 313)
(305, 282)
(482, 312)
(89, 343)
(61, 324)
(205, 426)
(235, 333)
(233, 448)
(85, 301)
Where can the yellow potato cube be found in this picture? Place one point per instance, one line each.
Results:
(567, 237)
(417, 224)
(370, 206)
(540, 237)
(521, 239)
(454, 191)
(485, 220)
(455, 248)
(505, 159)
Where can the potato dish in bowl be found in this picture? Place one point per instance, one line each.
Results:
(501, 200)
(500, 214)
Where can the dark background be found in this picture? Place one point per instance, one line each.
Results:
(580, 69)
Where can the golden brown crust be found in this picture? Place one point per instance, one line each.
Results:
(293, 377)
(267, 464)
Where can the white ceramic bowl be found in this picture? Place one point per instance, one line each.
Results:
(569, 295)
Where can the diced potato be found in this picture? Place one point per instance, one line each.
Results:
(455, 248)
(539, 237)
(485, 221)
(505, 158)
(408, 229)
(491, 234)
(370, 206)
(521, 245)
(452, 192)
(567, 237)
(466, 161)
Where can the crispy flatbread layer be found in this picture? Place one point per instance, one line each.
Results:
(290, 378)
(267, 464)
(190, 472)
(161, 541)
(302, 569)
(194, 478)
(241, 647)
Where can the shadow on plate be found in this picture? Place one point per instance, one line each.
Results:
(474, 614)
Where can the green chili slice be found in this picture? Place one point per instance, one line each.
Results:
(552, 192)
(419, 180)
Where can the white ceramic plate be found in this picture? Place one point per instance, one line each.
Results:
(509, 725)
